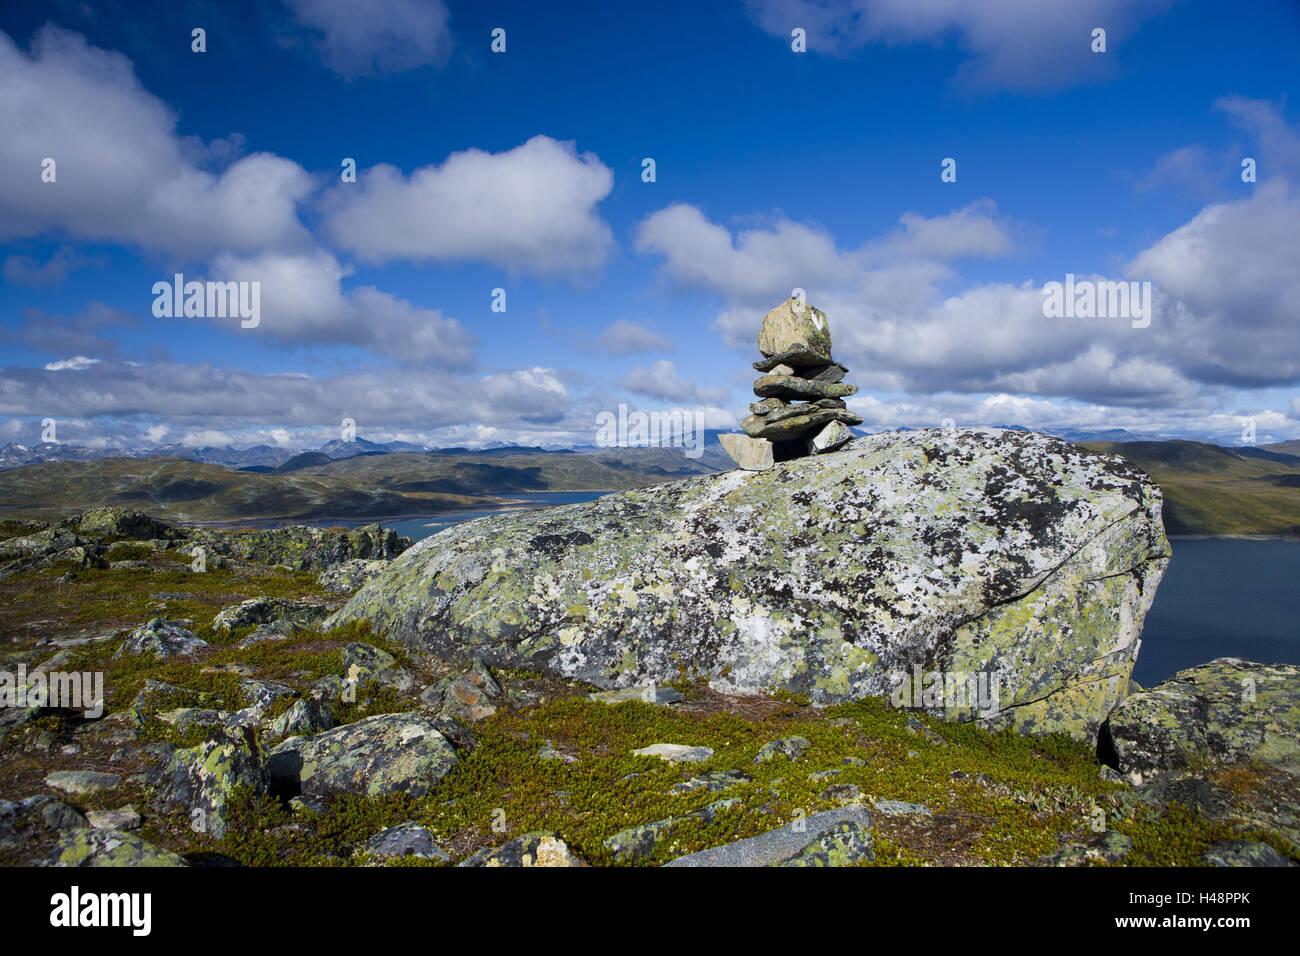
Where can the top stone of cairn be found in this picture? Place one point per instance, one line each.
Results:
(795, 326)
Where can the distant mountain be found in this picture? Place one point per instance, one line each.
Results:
(1213, 490)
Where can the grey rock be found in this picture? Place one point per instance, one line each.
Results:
(1244, 853)
(901, 808)
(639, 841)
(793, 327)
(789, 841)
(266, 610)
(791, 387)
(646, 694)
(469, 696)
(376, 755)
(832, 436)
(82, 782)
(124, 818)
(347, 577)
(791, 748)
(675, 753)
(97, 848)
(163, 639)
(714, 781)
(406, 840)
(825, 576)
(203, 779)
(1108, 847)
(61, 816)
(751, 454)
(303, 718)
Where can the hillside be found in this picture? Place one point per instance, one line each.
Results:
(313, 487)
(1214, 490)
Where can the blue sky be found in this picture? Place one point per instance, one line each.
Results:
(521, 170)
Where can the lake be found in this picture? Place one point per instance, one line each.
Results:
(1223, 597)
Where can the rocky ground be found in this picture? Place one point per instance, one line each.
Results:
(238, 729)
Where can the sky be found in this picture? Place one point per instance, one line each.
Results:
(504, 268)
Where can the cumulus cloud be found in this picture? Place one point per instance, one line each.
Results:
(1011, 44)
(662, 381)
(76, 364)
(530, 209)
(383, 36)
(303, 301)
(123, 174)
(628, 338)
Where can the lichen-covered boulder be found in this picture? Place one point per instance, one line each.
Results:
(120, 523)
(268, 610)
(1228, 711)
(162, 639)
(303, 548)
(203, 779)
(347, 577)
(376, 755)
(1007, 553)
(108, 848)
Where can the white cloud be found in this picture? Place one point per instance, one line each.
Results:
(1012, 44)
(531, 209)
(303, 301)
(123, 174)
(628, 338)
(75, 364)
(381, 36)
(662, 381)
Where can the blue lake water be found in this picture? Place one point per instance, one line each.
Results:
(1223, 597)
(417, 528)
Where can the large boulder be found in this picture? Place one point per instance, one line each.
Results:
(1228, 711)
(1007, 553)
(304, 548)
(203, 779)
(376, 755)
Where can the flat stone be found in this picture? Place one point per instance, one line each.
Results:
(793, 387)
(97, 848)
(779, 845)
(901, 808)
(125, 818)
(646, 693)
(789, 427)
(751, 454)
(715, 781)
(162, 639)
(792, 748)
(82, 782)
(803, 359)
(675, 753)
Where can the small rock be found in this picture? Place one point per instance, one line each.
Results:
(791, 748)
(126, 818)
(790, 841)
(715, 781)
(548, 752)
(1109, 847)
(751, 454)
(901, 808)
(1244, 853)
(842, 793)
(82, 782)
(303, 718)
(108, 848)
(61, 816)
(470, 695)
(646, 693)
(407, 839)
(162, 639)
(539, 848)
(675, 753)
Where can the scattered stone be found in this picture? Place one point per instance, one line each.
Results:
(790, 841)
(266, 610)
(302, 719)
(126, 818)
(82, 782)
(842, 793)
(470, 695)
(407, 839)
(831, 437)
(646, 693)
(791, 748)
(1109, 847)
(548, 752)
(675, 753)
(901, 808)
(714, 781)
(1228, 711)
(538, 848)
(62, 816)
(346, 578)
(108, 848)
(1244, 853)
(638, 841)
(203, 779)
(268, 633)
(163, 639)
(386, 753)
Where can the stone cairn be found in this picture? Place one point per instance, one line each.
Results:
(801, 408)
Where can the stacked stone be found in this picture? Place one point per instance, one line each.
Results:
(801, 408)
